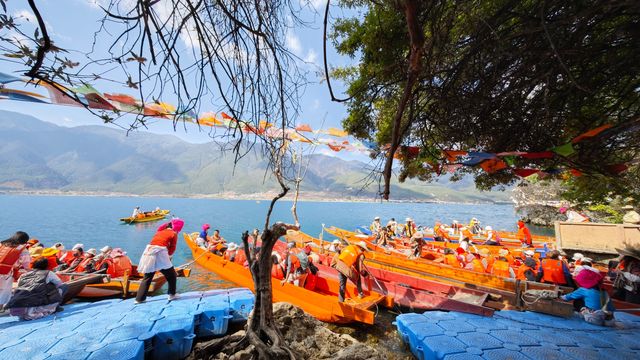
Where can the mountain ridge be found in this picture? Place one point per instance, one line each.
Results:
(41, 157)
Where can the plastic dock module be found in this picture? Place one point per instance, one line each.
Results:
(517, 335)
(120, 329)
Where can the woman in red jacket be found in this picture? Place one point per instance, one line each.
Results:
(157, 257)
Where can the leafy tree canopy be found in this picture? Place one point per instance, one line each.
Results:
(498, 76)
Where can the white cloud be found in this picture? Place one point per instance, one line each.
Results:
(26, 15)
(328, 152)
(316, 104)
(317, 4)
(311, 57)
(293, 43)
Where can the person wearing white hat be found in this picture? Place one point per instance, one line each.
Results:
(77, 255)
(335, 246)
(492, 236)
(88, 264)
(230, 253)
(409, 228)
(350, 265)
(375, 226)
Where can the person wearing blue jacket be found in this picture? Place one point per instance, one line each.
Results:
(597, 309)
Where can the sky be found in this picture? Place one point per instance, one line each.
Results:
(72, 24)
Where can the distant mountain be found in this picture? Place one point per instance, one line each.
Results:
(39, 156)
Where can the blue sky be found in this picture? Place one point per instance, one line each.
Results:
(72, 23)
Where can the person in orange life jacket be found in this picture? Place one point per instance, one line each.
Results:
(455, 225)
(118, 263)
(474, 226)
(77, 255)
(502, 267)
(417, 241)
(393, 226)
(451, 259)
(597, 309)
(553, 270)
(88, 264)
(492, 236)
(277, 268)
(465, 234)
(230, 253)
(575, 263)
(157, 257)
(38, 294)
(52, 259)
(14, 257)
(524, 235)
(527, 271)
(479, 262)
(297, 266)
(438, 232)
(350, 265)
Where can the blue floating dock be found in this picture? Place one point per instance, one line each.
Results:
(517, 335)
(120, 329)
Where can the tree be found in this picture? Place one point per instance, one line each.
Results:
(191, 52)
(496, 76)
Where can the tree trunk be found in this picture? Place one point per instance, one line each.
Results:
(262, 331)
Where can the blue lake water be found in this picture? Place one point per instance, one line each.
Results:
(94, 222)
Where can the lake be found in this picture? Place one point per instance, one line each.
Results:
(94, 221)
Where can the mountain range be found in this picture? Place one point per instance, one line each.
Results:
(37, 156)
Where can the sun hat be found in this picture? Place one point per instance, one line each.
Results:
(36, 251)
(587, 260)
(78, 247)
(488, 228)
(376, 218)
(484, 252)
(33, 241)
(577, 256)
(529, 252)
(59, 246)
(206, 227)
(588, 277)
(105, 249)
(363, 245)
(630, 250)
(291, 245)
(232, 246)
(93, 252)
(563, 210)
(455, 221)
(503, 252)
(336, 242)
(408, 219)
(117, 252)
(49, 252)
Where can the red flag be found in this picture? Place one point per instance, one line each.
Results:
(525, 172)
(592, 133)
(538, 155)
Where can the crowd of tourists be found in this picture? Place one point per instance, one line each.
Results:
(34, 267)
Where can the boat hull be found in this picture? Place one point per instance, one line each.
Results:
(321, 303)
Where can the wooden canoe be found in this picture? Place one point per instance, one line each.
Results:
(322, 302)
(76, 286)
(154, 216)
(114, 287)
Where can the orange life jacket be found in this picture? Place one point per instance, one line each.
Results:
(9, 256)
(467, 234)
(83, 264)
(349, 255)
(524, 235)
(477, 265)
(293, 260)
(501, 268)
(277, 271)
(118, 266)
(52, 262)
(552, 272)
(451, 259)
(490, 261)
(523, 269)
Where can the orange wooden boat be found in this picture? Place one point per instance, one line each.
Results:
(124, 286)
(321, 302)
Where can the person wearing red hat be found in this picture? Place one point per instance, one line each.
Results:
(598, 309)
(524, 235)
(157, 257)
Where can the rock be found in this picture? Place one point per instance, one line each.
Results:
(541, 215)
(312, 339)
(631, 217)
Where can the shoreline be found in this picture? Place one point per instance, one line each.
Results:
(265, 196)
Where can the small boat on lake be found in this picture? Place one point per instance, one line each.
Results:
(124, 286)
(321, 301)
(146, 217)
